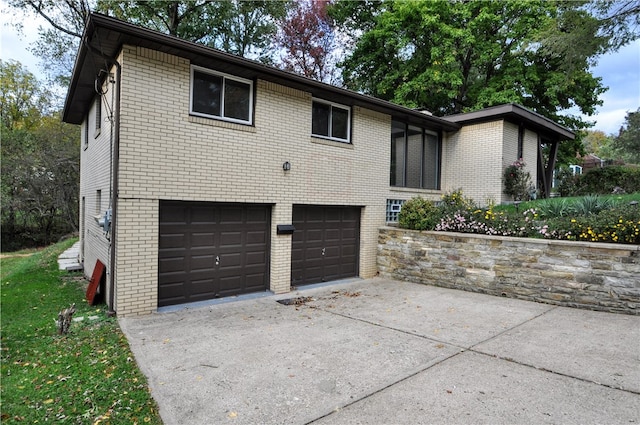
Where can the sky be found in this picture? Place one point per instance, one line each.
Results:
(620, 72)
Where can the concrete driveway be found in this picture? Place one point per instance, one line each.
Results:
(379, 351)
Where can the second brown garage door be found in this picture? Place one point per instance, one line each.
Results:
(325, 244)
(211, 250)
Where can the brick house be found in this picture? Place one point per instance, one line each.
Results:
(223, 176)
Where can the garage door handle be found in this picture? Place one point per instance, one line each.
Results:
(217, 260)
(323, 251)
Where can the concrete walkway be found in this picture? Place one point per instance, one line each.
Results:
(69, 260)
(385, 352)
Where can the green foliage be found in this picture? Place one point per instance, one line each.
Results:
(452, 57)
(23, 100)
(627, 143)
(620, 224)
(548, 208)
(419, 214)
(84, 377)
(517, 181)
(567, 182)
(582, 206)
(619, 21)
(568, 151)
(40, 165)
(593, 218)
(244, 28)
(58, 43)
(592, 204)
(605, 180)
(597, 143)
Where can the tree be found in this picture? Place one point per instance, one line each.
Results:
(569, 151)
(22, 100)
(57, 45)
(40, 164)
(245, 28)
(627, 143)
(455, 57)
(596, 142)
(177, 18)
(307, 38)
(619, 21)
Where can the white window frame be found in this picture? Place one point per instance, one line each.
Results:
(336, 105)
(85, 133)
(98, 116)
(224, 77)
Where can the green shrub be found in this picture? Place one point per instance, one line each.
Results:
(419, 214)
(517, 181)
(455, 201)
(592, 204)
(568, 183)
(550, 208)
(605, 180)
(620, 224)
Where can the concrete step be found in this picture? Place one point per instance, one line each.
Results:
(69, 260)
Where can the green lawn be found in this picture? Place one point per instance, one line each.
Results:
(88, 376)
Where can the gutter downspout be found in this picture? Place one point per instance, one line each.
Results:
(115, 167)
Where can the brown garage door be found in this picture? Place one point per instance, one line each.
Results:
(210, 250)
(325, 245)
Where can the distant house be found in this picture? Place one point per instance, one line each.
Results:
(206, 175)
(591, 161)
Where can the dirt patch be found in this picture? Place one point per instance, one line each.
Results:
(16, 255)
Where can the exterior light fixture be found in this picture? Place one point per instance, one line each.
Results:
(286, 166)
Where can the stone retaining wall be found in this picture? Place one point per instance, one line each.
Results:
(594, 276)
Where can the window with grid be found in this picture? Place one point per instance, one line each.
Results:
(393, 209)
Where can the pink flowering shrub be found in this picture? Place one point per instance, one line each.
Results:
(517, 181)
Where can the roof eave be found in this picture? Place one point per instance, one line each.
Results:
(513, 110)
(131, 34)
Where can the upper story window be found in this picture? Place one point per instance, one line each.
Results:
(221, 96)
(331, 121)
(415, 157)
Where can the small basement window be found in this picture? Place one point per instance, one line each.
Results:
(221, 96)
(331, 121)
(393, 209)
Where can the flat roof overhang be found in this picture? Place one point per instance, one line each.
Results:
(107, 35)
(514, 113)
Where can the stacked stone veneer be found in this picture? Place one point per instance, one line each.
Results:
(575, 274)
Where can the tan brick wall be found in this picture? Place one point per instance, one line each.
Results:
(95, 157)
(166, 154)
(137, 257)
(472, 159)
(530, 154)
(280, 249)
